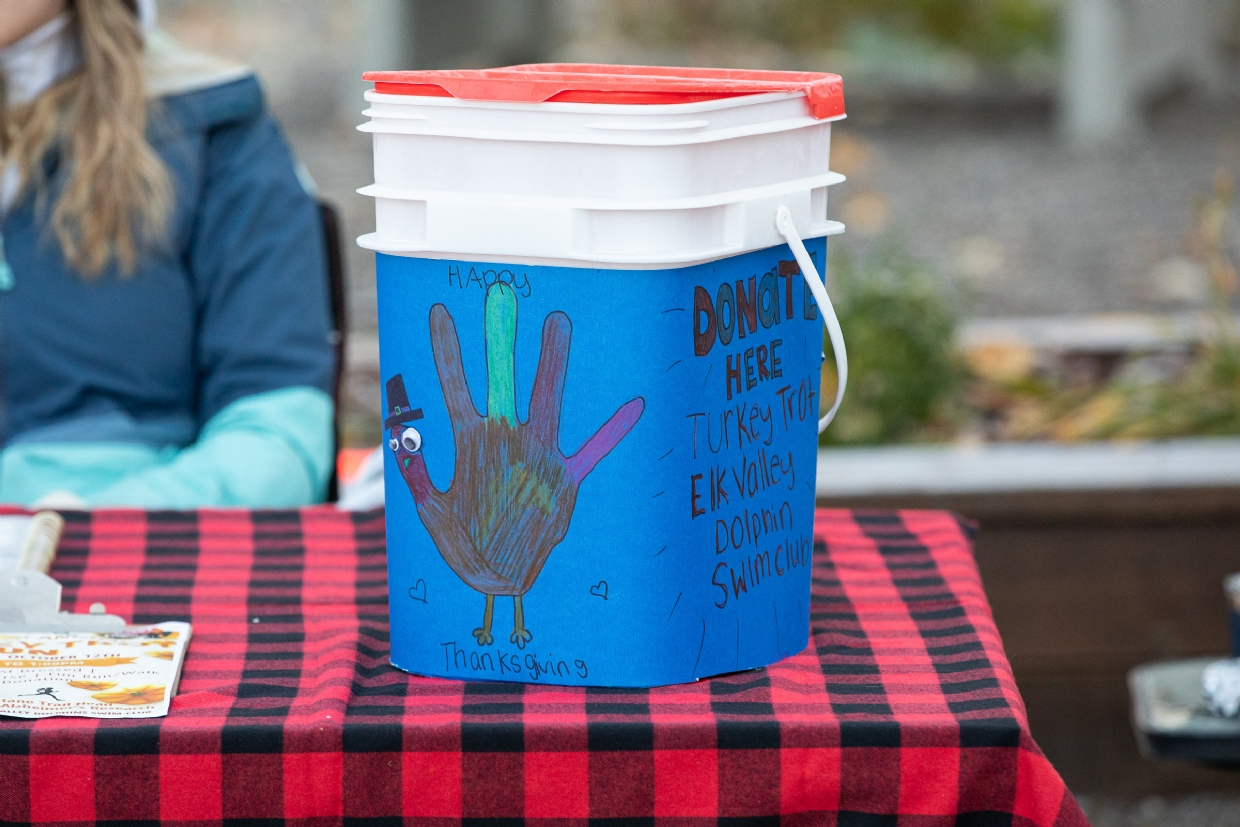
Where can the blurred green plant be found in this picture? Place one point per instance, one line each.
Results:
(1202, 400)
(989, 30)
(905, 375)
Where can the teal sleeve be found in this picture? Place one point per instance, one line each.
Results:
(269, 450)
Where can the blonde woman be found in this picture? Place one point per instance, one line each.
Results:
(163, 310)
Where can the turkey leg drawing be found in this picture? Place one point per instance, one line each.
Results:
(512, 492)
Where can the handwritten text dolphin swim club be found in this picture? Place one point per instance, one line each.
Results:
(755, 540)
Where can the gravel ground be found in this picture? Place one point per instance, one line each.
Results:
(1032, 227)
(1189, 811)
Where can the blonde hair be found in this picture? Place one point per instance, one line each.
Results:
(117, 194)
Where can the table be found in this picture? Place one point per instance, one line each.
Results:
(904, 704)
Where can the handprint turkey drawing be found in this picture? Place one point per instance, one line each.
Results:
(513, 491)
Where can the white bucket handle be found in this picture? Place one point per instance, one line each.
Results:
(783, 223)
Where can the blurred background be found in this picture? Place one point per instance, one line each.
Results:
(1039, 253)
(1010, 163)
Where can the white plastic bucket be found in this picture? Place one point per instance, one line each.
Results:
(632, 266)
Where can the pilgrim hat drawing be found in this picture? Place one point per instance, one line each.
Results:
(399, 410)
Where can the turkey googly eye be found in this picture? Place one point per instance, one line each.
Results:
(411, 440)
(394, 444)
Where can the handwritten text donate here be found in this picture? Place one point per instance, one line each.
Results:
(746, 486)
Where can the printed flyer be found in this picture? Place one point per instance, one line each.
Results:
(127, 674)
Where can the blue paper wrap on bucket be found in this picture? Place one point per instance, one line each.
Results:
(609, 479)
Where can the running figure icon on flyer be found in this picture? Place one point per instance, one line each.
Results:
(48, 691)
(512, 497)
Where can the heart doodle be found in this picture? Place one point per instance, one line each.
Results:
(600, 590)
(418, 591)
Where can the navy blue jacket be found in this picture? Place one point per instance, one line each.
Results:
(234, 304)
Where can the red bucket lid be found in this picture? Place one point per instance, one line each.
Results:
(598, 83)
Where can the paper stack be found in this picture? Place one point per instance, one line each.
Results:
(126, 674)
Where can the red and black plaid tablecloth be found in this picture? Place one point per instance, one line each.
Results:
(902, 711)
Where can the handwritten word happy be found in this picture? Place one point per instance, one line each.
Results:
(519, 282)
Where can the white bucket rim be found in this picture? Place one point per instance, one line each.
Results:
(678, 261)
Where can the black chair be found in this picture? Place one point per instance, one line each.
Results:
(339, 322)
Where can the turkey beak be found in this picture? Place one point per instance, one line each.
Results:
(406, 443)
